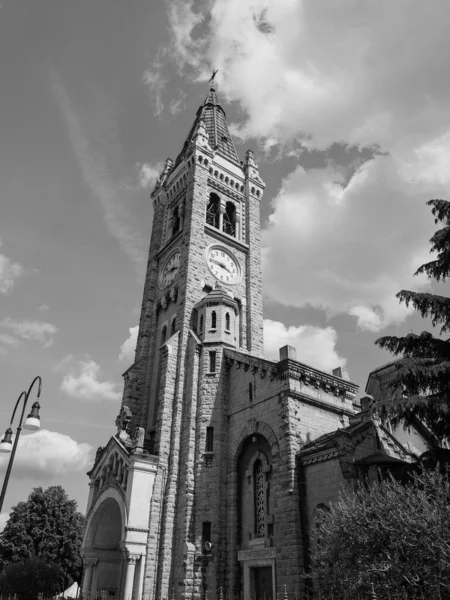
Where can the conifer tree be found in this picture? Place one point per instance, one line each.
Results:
(421, 387)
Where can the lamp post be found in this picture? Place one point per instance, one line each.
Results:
(32, 422)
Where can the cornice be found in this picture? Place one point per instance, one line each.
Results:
(339, 410)
(319, 456)
(261, 366)
(292, 369)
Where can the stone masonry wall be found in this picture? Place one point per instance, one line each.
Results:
(184, 551)
(293, 422)
(323, 482)
(135, 394)
(254, 308)
(157, 539)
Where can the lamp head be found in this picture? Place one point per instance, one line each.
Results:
(6, 443)
(33, 421)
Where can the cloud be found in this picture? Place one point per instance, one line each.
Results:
(38, 331)
(110, 193)
(81, 380)
(356, 72)
(10, 272)
(348, 250)
(44, 307)
(4, 516)
(8, 340)
(48, 455)
(314, 346)
(156, 83)
(128, 348)
(148, 174)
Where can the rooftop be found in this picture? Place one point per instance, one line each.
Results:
(214, 117)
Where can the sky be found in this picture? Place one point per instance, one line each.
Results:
(347, 108)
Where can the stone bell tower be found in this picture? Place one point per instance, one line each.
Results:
(203, 292)
(206, 229)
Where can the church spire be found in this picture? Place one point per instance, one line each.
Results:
(214, 118)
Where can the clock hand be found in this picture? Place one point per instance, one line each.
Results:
(221, 265)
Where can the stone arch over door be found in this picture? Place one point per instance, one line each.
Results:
(256, 443)
(102, 545)
(252, 427)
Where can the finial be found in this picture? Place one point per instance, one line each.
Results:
(211, 79)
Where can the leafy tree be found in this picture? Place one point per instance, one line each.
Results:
(422, 379)
(33, 576)
(394, 536)
(46, 526)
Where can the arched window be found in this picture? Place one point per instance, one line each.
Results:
(175, 221)
(259, 495)
(212, 210)
(163, 334)
(229, 224)
(173, 325)
(227, 322)
(213, 320)
(201, 324)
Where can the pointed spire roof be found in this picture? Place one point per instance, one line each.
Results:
(214, 117)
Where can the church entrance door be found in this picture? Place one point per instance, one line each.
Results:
(262, 583)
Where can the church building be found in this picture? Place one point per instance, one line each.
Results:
(221, 458)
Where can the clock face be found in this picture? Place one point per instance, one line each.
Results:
(223, 265)
(170, 269)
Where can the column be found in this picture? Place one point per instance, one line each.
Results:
(93, 588)
(88, 564)
(140, 578)
(129, 576)
(222, 209)
(237, 226)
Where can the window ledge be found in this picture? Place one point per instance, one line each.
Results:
(225, 237)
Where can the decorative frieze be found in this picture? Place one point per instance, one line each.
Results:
(216, 185)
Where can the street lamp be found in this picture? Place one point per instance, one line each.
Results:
(32, 423)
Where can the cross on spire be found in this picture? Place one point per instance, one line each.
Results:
(212, 78)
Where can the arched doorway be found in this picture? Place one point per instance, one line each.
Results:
(255, 518)
(103, 553)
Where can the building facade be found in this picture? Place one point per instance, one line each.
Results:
(221, 457)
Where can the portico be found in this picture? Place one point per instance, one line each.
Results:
(114, 546)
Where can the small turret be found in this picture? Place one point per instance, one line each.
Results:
(217, 317)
